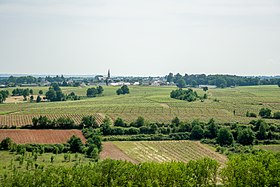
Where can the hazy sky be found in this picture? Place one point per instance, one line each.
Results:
(140, 37)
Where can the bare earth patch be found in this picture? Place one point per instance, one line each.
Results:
(23, 136)
(113, 152)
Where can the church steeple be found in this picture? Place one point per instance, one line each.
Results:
(109, 75)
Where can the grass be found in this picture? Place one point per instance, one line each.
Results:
(163, 151)
(273, 148)
(155, 105)
(10, 160)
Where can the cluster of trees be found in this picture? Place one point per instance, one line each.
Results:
(222, 134)
(13, 81)
(3, 95)
(55, 93)
(93, 92)
(264, 113)
(218, 80)
(91, 149)
(123, 90)
(267, 113)
(261, 169)
(119, 173)
(22, 92)
(72, 96)
(187, 95)
(44, 122)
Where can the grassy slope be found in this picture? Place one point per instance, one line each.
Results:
(155, 105)
(161, 151)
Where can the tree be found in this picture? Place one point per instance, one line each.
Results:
(276, 115)
(31, 91)
(262, 134)
(140, 121)
(181, 83)
(41, 92)
(76, 144)
(6, 144)
(119, 122)
(105, 127)
(92, 152)
(170, 77)
(265, 113)
(89, 121)
(197, 132)
(175, 121)
(123, 90)
(278, 83)
(212, 129)
(31, 98)
(51, 95)
(205, 88)
(225, 137)
(100, 89)
(245, 136)
(92, 92)
(3, 95)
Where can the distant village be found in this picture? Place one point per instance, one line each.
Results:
(98, 80)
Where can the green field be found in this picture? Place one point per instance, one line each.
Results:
(273, 148)
(166, 151)
(153, 103)
(9, 160)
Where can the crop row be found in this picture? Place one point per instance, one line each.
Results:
(168, 150)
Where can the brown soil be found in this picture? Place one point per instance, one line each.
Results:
(21, 136)
(113, 152)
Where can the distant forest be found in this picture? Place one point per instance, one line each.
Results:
(219, 80)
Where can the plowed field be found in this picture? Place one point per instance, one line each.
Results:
(22, 136)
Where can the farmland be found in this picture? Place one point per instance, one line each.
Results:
(164, 151)
(153, 103)
(22, 136)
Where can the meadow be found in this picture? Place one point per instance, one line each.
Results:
(152, 103)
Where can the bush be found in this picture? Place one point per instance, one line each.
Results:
(76, 144)
(197, 133)
(245, 136)
(6, 144)
(225, 137)
(265, 113)
(261, 169)
(187, 95)
(276, 115)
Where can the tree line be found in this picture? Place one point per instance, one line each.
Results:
(261, 169)
(219, 80)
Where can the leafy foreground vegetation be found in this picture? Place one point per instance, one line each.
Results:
(262, 169)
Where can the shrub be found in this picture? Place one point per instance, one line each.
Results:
(225, 137)
(265, 113)
(6, 144)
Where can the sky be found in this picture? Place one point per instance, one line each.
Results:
(140, 37)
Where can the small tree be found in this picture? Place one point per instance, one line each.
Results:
(205, 88)
(38, 99)
(245, 136)
(140, 121)
(119, 122)
(31, 98)
(175, 121)
(225, 137)
(6, 144)
(265, 113)
(197, 132)
(181, 83)
(123, 90)
(76, 144)
(276, 115)
(41, 92)
(89, 121)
